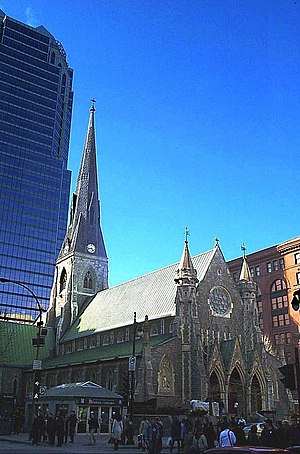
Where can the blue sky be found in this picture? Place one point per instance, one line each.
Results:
(197, 120)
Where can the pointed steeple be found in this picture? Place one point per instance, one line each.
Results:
(245, 271)
(186, 273)
(82, 264)
(84, 232)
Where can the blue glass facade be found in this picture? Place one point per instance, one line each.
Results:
(35, 119)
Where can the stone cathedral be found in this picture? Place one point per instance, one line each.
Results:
(195, 335)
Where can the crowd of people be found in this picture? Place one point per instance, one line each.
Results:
(187, 437)
(184, 435)
(52, 428)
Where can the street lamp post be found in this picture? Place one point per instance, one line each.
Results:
(36, 341)
(131, 368)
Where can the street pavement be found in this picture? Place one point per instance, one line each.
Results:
(10, 444)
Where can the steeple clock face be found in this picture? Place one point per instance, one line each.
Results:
(91, 248)
(219, 301)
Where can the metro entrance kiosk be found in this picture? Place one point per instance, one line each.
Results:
(84, 398)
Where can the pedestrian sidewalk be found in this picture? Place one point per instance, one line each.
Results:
(80, 441)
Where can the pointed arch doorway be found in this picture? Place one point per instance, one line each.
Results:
(236, 394)
(255, 396)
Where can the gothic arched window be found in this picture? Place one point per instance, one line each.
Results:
(63, 280)
(88, 281)
(109, 380)
(52, 58)
(166, 376)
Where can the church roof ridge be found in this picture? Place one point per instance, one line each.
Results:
(159, 269)
(155, 293)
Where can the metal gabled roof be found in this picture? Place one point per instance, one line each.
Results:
(81, 389)
(152, 294)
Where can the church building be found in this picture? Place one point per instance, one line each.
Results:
(187, 331)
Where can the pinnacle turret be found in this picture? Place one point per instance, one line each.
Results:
(186, 273)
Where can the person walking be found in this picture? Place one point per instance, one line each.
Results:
(227, 437)
(117, 429)
(142, 431)
(154, 436)
(200, 443)
(71, 425)
(175, 434)
(93, 428)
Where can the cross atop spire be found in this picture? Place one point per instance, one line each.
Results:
(92, 109)
(187, 234)
(243, 248)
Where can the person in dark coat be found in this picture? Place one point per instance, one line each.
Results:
(269, 436)
(175, 433)
(36, 429)
(60, 428)
(51, 428)
(253, 439)
(72, 421)
(210, 434)
(294, 432)
(240, 434)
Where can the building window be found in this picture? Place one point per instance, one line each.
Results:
(120, 337)
(259, 307)
(126, 334)
(78, 344)
(162, 327)
(261, 324)
(275, 265)
(63, 280)
(288, 338)
(105, 339)
(88, 281)
(91, 342)
(257, 270)
(252, 272)
(297, 258)
(269, 267)
(280, 320)
(279, 302)
(278, 285)
(298, 278)
(281, 263)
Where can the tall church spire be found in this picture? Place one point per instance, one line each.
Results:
(84, 232)
(82, 264)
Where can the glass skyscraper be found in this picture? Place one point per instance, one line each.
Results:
(35, 119)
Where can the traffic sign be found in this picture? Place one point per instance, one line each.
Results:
(37, 364)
